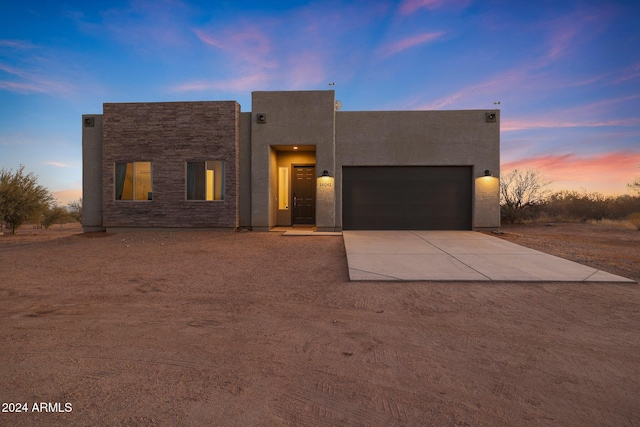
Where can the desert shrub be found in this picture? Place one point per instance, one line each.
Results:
(634, 219)
(573, 206)
(75, 210)
(625, 205)
(55, 215)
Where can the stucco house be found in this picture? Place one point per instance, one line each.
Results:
(295, 159)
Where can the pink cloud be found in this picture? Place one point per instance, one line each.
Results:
(590, 115)
(304, 70)
(56, 164)
(607, 172)
(629, 73)
(16, 44)
(406, 43)
(31, 82)
(410, 6)
(488, 89)
(248, 45)
(508, 125)
(568, 31)
(242, 84)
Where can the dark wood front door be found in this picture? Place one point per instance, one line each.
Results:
(304, 195)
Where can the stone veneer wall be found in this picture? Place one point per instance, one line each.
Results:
(169, 134)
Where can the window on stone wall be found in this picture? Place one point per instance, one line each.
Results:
(133, 181)
(205, 180)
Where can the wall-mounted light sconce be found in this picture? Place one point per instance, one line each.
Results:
(261, 118)
(325, 173)
(487, 172)
(491, 117)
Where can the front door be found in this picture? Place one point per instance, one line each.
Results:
(304, 195)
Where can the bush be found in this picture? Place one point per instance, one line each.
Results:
(21, 197)
(634, 219)
(55, 215)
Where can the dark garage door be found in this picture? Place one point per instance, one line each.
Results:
(406, 197)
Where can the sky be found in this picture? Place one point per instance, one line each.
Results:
(566, 73)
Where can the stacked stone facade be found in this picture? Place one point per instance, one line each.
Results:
(168, 135)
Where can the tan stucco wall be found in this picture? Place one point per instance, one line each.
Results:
(422, 138)
(92, 173)
(292, 118)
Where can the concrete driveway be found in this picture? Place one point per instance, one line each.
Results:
(457, 256)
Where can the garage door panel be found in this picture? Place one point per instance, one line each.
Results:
(406, 198)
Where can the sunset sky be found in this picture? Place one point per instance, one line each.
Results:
(566, 73)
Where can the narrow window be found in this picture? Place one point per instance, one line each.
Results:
(133, 181)
(283, 187)
(205, 180)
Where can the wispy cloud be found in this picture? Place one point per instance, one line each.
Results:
(152, 25)
(56, 164)
(546, 66)
(246, 83)
(17, 44)
(249, 45)
(510, 125)
(488, 89)
(411, 6)
(566, 33)
(628, 73)
(590, 115)
(23, 81)
(408, 42)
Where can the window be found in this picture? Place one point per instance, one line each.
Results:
(205, 180)
(283, 187)
(133, 181)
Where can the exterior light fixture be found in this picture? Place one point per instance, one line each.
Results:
(325, 173)
(487, 172)
(295, 148)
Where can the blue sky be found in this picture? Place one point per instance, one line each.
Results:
(566, 73)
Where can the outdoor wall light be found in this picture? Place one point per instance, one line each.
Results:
(325, 173)
(487, 172)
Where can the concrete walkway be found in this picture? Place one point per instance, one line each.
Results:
(457, 256)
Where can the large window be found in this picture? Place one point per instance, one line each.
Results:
(205, 180)
(133, 181)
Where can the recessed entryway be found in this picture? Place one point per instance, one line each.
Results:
(293, 181)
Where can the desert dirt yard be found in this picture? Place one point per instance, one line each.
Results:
(246, 329)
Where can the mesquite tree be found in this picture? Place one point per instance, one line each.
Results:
(21, 197)
(521, 192)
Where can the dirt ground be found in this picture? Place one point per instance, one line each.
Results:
(243, 329)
